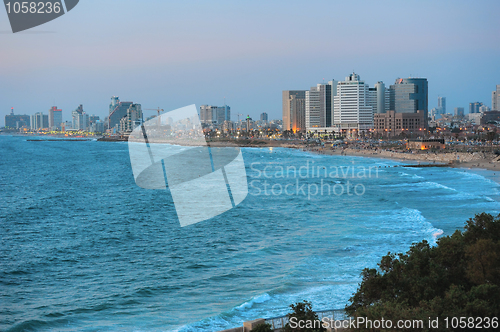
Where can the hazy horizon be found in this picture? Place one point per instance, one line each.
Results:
(170, 55)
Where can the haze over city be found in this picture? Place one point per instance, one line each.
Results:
(169, 55)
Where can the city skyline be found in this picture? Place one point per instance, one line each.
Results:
(156, 60)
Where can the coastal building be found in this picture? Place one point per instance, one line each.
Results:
(98, 127)
(263, 116)
(379, 98)
(459, 112)
(16, 121)
(442, 105)
(393, 124)
(425, 144)
(80, 119)
(132, 119)
(318, 105)
(214, 114)
(294, 110)
(118, 109)
(55, 118)
(474, 107)
(39, 121)
(351, 111)
(495, 99)
(409, 95)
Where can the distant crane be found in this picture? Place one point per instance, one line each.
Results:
(154, 109)
(239, 116)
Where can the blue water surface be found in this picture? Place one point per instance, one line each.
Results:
(84, 249)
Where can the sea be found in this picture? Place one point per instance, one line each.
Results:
(83, 248)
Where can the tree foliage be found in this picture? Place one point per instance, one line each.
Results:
(302, 311)
(264, 327)
(460, 277)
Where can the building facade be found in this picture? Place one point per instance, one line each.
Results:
(39, 121)
(409, 95)
(264, 117)
(117, 110)
(294, 110)
(351, 111)
(394, 124)
(319, 105)
(55, 118)
(16, 121)
(474, 107)
(132, 119)
(80, 119)
(214, 114)
(441, 105)
(495, 99)
(379, 98)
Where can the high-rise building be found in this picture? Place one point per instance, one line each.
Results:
(117, 110)
(207, 114)
(442, 105)
(55, 118)
(351, 110)
(80, 119)
(319, 110)
(223, 113)
(16, 120)
(459, 112)
(39, 121)
(379, 98)
(132, 119)
(294, 110)
(495, 99)
(263, 116)
(474, 107)
(215, 114)
(409, 95)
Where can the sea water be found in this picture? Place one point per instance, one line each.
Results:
(84, 249)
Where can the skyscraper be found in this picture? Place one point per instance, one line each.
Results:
(442, 105)
(117, 110)
(474, 107)
(294, 110)
(379, 98)
(215, 114)
(80, 119)
(351, 105)
(39, 121)
(263, 116)
(409, 95)
(223, 114)
(55, 118)
(319, 105)
(495, 99)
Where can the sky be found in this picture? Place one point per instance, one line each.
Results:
(170, 54)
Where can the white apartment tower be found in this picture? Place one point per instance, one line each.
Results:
(352, 110)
